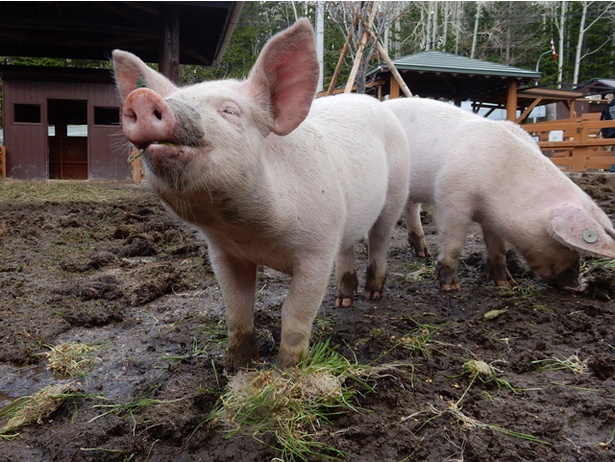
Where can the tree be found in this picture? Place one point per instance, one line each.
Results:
(582, 50)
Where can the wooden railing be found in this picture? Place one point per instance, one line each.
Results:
(576, 145)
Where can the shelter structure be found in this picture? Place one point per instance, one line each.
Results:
(64, 122)
(602, 87)
(437, 74)
(572, 141)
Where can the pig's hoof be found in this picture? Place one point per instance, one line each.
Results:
(450, 287)
(582, 287)
(343, 302)
(373, 295)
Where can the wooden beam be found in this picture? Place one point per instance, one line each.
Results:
(511, 101)
(394, 88)
(338, 67)
(392, 68)
(528, 110)
(169, 44)
(360, 48)
(340, 61)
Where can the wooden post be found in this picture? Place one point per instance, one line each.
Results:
(511, 101)
(3, 162)
(394, 90)
(392, 68)
(340, 61)
(168, 59)
(338, 67)
(360, 49)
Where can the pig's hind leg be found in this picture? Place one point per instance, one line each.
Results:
(346, 281)
(416, 234)
(496, 258)
(378, 242)
(453, 223)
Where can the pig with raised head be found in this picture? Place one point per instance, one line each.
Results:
(272, 177)
(492, 172)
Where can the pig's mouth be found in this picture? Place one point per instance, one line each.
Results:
(165, 152)
(143, 148)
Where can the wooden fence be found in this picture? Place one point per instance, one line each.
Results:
(576, 145)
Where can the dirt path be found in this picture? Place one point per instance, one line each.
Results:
(104, 265)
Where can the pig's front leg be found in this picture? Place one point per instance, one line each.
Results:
(237, 281)
(496, 259)
(416, 234)
(307, 290)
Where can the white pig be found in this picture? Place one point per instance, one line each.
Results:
(492, 172)
(272, 178)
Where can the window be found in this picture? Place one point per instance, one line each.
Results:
(106, 115)
(27, 113)
(79, 131)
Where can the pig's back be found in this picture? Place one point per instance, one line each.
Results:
(368, 153)
(341, 161)
(438, 136)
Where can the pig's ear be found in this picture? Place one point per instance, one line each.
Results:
(285, 76)
(132, 73)
(576, 229)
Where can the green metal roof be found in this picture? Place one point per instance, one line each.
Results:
(442, 62)
(438, 74)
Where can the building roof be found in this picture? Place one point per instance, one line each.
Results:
(91, 30)
(442, 62)
(445, 75)
(597, 87)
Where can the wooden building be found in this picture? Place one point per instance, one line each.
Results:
(63, 123)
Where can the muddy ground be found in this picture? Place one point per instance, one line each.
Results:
(105, 265)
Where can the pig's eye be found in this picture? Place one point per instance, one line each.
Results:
(230, 111)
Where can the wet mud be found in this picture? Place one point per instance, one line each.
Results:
(123, 276)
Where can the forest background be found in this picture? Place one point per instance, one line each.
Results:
(569, 42)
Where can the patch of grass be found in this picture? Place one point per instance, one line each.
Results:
(608, 264)
(197, 349)
(35, 408)
(129, 408)
(542, 308)
(573, 364)
(492, 314)
(609, 442)
(485, 373)
(70, 359)
(65, 191)
(588, 264)
(468, 423)
(292, 405)
(417, 271)
(418, 340)
(574, 387)
(520, 292)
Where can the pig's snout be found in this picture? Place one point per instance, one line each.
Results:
(146, 118)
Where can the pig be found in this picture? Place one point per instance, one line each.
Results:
(272, 177)
(493, 173)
